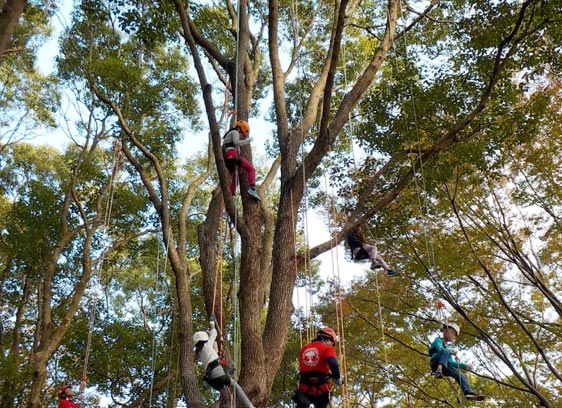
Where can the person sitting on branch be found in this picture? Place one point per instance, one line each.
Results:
(65, 395)
(206, 351)
(443, 364)
(360, 250)
(317, 366)
(233, 139)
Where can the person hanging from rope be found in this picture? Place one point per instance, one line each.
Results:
(232, 140)
(206, 351)
(360, 250)
(65, 395)
(318, 370)
(443, 364)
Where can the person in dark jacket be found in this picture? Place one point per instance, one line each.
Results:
(360, 250)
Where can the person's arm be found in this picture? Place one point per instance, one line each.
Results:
(212, 332)
(456, 364)
(236, 141)
(334, 370)
(361, 239)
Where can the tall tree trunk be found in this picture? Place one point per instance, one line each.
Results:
(188, 377)
(9, 18)
(38, 368)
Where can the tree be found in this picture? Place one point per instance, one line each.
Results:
(346, 59)
(327, 110)
(53, 245)
(28, 97)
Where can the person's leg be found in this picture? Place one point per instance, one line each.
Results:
(233, 181)
(444, 358)
(360, 254)
(382, 263)
(371, 250)
(247, 166)
(434, 363)
(459, 377)
(231, 158)
(439, 364)
(320, 401)
(377, 261)
(300, 398)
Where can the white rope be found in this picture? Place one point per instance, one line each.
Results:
(154, 347)
(338, 295)
(99, 270)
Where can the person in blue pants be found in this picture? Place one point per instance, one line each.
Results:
(443, 364)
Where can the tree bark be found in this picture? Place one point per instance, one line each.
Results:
(9, 18)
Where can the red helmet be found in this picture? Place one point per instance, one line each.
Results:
(327, 333)
(62, 391)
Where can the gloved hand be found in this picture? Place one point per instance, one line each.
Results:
(213, 324)
(338, 381)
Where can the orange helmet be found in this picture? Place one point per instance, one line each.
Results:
(327, 334)
(244, 126)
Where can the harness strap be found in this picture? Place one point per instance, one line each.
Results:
(314, 378)
(212, 365)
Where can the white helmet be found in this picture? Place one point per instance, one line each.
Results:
(200, 336)
(453, 326)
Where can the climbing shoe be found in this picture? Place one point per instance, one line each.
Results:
(437, 374)
(392, 272)
(474, 396)
(252, 191)
(375, 265)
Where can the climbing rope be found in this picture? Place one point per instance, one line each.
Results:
(98, 272)
(421, 195)
(235, 351)
(354, 163)
(300, 323)
(158, 312)
(338, 297)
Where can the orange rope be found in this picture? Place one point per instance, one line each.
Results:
(218, 269)
(294, 236)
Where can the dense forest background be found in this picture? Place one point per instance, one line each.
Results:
(437, 125)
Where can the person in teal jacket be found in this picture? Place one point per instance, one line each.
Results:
(443, 364)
